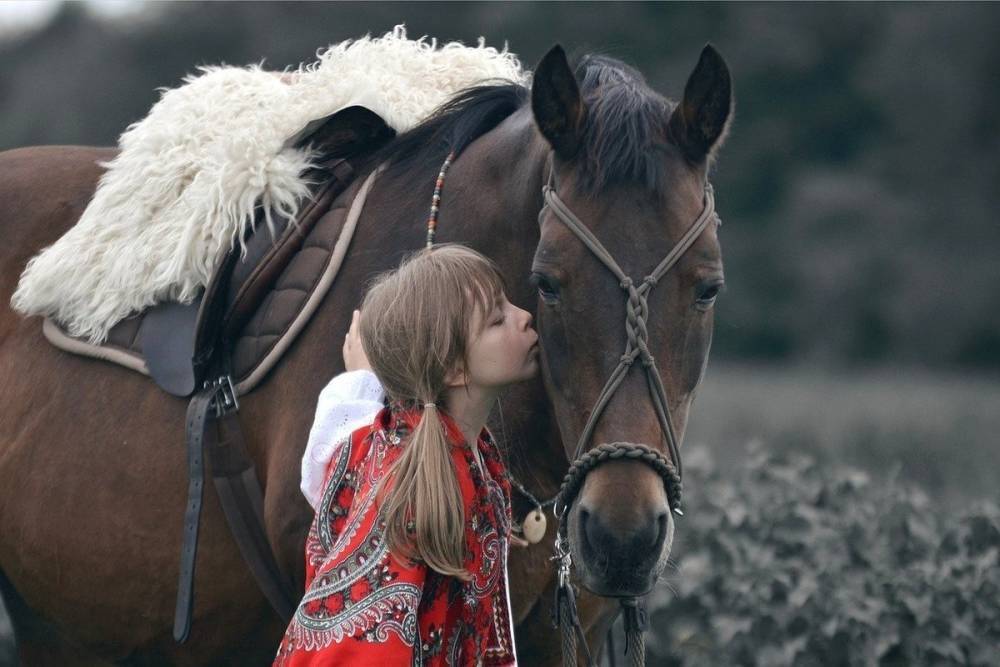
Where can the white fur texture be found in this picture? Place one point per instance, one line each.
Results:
(189, 175)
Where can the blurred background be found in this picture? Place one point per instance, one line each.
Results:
(858, 340)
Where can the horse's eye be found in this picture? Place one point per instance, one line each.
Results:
(707, 297)
(548, 289)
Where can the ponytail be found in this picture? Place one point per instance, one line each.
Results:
(421, 489)
(416, 328)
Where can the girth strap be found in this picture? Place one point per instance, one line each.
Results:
(215, 433)
(197, 415)
(243, 504)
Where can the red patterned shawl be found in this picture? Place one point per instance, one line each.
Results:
(365, 606)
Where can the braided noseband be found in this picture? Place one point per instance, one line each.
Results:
(625, 451)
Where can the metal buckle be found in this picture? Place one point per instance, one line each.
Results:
(224, 399)
(565, 560)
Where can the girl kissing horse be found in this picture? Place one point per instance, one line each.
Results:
(92, 472)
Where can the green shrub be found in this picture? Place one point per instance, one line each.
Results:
(787, 562)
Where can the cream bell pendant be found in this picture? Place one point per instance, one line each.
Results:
(534, 526)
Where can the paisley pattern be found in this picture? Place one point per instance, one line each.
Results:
(363, 605)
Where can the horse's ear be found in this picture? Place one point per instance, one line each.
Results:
(556, 103)
(344, 133)
(700, 121)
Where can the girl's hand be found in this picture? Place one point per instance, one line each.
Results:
(354, 353)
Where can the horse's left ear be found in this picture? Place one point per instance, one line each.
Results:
(556, 103)
(699, 123)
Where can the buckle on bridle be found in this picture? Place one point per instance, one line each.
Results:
(224, 397)
(562, 555)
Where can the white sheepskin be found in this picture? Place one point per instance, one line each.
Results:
(189, 174)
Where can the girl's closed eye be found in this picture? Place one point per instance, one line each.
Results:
(497, 317)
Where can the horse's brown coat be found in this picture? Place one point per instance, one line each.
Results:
(92, 474)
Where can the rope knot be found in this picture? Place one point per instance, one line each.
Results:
(626, 283)
(627, 359)
(651, 281)
(647, 361)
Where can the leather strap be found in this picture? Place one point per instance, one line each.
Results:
(197, 417)
(243, 504)
(220, 439)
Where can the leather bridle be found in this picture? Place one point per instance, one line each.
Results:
(636, 347)
(564, 613)
(584, 459)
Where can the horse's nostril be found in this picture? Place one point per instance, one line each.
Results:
(663, 524)
(585, 525)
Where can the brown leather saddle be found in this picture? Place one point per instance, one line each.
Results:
(224, 343)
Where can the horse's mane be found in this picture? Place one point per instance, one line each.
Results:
(624, 135)
(452, 127)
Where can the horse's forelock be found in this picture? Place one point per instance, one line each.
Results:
(624, 137)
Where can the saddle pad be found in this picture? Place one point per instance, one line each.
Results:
(276, 322)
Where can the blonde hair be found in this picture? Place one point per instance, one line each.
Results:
(415, 330)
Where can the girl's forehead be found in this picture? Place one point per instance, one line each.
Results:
(483, 304)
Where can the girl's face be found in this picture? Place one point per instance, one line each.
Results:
(505, 349)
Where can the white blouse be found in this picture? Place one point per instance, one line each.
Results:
(348, 402)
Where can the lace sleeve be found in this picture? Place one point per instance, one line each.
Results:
(348, 402)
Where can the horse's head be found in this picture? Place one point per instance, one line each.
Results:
(631, 169)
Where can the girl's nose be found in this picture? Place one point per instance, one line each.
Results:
(525, 318)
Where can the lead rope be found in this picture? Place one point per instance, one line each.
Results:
(636, 621)
(564, 612)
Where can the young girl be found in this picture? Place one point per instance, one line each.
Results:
(406, 560)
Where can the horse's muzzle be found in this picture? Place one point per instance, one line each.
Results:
(617, 558)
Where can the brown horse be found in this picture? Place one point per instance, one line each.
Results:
(92, 463)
